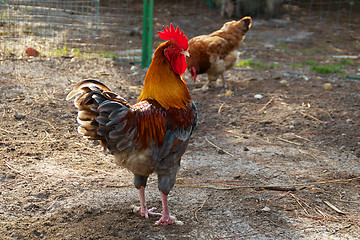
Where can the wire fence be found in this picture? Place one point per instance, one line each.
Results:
(113, 28)
(72, 26)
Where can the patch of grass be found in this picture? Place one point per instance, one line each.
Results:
(251, 63)
(310, 62)
(314, 50)
(347, 62)
(258, 65)
(330, 68)
(357, 44)
(284, 46)
(296, 65)
(327, 68)
(60, 52)
(274, 65)
(244, 63)
(76, 52)
(110, 55)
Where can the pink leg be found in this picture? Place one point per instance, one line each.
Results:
(143, 209)
(165, 218)
(224, 80)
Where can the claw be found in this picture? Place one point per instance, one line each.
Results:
(168, 220)
(145, 212)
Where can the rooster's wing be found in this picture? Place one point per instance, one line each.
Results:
(128, 131)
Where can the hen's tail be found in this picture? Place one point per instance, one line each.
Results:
(234, 31)
(89, 94)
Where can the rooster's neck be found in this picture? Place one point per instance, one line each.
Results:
(163, 85)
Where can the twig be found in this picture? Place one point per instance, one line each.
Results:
(209, 187)
(283, 189)
(264, 186)
(119, 186)
(267, 104)
(29, 141)
(298, 201)
(217, 147)
(328, 218)
(10, 181)
(288, 141)
(17, 171)
(303, 138)
(202, 205)
(334, 208)
(310, 154)
(219, 110)
(312, 117)
(45, 121)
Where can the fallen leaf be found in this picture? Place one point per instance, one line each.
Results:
(32, 52)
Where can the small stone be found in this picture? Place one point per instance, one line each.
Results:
(258, 96)
(327, 86)
(229, 93)
(266, 209)
(179, 180)
(284, 82)
(19, 117)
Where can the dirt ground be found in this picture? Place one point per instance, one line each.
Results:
(280, 165)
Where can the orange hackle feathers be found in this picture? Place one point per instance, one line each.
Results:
(163, 84)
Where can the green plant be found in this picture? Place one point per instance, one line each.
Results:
(274, 65)
(347, 62)
(330, 68)
(294, 65)
(60, 52)
(314, 50)
(76, 52)
(310, 62)
(251, 63)
(244, 63)
(110, 55)
(284, 46)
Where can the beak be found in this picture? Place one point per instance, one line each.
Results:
(185, 53)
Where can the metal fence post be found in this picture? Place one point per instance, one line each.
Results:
(147, 33)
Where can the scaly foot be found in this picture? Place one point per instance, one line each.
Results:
(145, 212)
(168, 220)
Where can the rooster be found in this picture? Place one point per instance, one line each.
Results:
(215, 53)
(152, 135)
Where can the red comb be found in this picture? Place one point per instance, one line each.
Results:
(174, 35)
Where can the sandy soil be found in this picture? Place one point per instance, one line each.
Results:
(284, 166)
